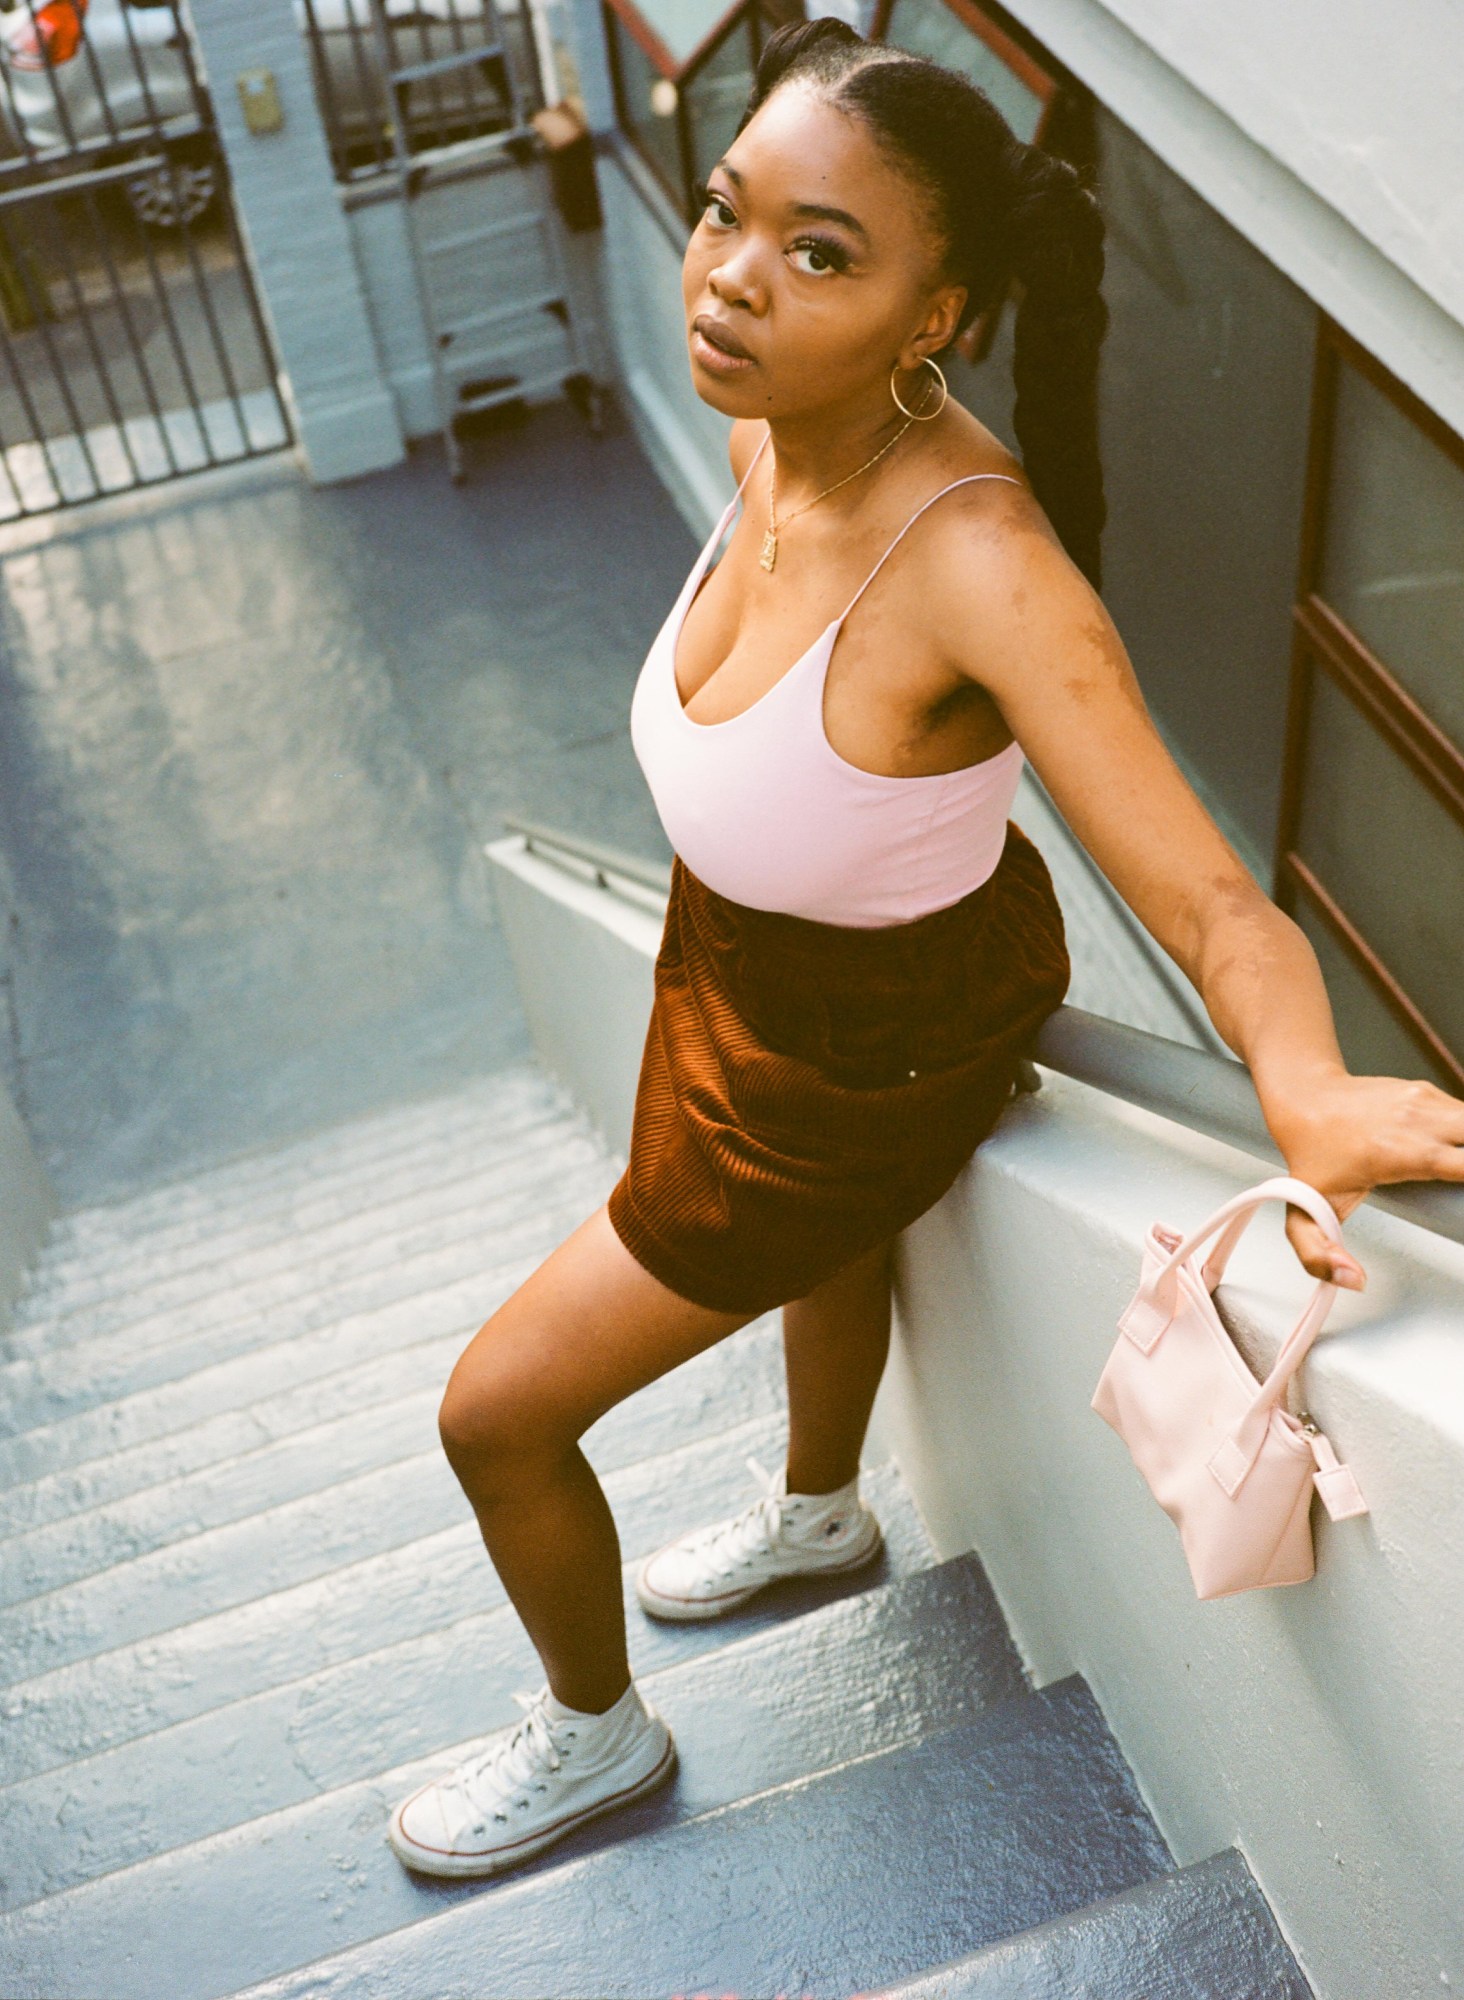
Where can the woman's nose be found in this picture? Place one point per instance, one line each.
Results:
(735, 281)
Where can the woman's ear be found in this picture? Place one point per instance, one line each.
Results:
(938, 328)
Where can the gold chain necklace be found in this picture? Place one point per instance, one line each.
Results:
(769, 553)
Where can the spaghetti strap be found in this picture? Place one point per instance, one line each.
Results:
(714, 539)
(970, 479)
(750, 464)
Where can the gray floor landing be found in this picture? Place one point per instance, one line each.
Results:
(251, 741)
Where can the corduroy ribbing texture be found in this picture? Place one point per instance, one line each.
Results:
(807, 1090)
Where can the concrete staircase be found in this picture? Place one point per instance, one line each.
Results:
(245, 1609)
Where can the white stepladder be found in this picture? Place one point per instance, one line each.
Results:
(483, 238)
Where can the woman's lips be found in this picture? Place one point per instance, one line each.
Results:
(717, 348)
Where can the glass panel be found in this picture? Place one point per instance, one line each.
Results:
(1393, 562)
(653, 131)
(1374, 1041)
(1389, 853)
(1208, 342)
(716, 97)
(682, 25)
(929, 28)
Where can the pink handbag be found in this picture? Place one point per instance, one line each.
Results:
(1223, 1456)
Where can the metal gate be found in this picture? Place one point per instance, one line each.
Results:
(132, 348)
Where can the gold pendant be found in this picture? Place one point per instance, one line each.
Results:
(769, 550)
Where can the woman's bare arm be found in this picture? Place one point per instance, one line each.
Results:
(1024, 623)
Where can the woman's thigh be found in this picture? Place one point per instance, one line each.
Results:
(589, 1328)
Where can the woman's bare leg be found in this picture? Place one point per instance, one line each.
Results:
(589, 1328)
(835, 1343)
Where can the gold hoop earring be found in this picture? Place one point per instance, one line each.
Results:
(914, 415)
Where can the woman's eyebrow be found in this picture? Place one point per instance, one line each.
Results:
(816, 212)
(810, 211)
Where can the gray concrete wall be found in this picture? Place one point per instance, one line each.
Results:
(298, 243)
(568, 939)
(1321, 132)
(1314, 1726)
(682, 436)
(27, 1200)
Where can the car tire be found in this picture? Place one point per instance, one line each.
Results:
(173, 196)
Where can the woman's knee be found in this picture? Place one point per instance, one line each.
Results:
(493, 1421)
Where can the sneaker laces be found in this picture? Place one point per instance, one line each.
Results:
(487, 1783)
(726, 1544)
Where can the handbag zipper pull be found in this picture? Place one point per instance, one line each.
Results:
(1337, 1483)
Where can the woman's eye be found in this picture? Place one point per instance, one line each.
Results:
(819, 258)
(716, 210)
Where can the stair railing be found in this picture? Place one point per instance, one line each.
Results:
(1208, 1093)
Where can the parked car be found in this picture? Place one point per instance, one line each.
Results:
(112, 76)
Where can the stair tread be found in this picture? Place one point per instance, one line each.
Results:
(268, 1551)
(151, 1293)
(239, 1379)
(836, 1881)
(1199, 1933)
(43, 1389)
(341, 1148)
(751, 1708)
(726, 1384)
(429, 1584)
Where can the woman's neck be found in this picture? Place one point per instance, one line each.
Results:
(814, 452)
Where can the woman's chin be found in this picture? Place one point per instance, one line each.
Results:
(726, 382)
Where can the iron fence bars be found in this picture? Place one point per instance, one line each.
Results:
(444, 71)
(132, 342)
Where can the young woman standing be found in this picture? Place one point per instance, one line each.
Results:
(859, 946)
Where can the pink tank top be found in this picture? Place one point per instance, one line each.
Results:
(765, 811)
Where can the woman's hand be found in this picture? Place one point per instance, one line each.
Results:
(1345, 1135)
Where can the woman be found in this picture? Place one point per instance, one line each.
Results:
(858, 946)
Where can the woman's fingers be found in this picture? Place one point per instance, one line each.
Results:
(1319, 1254)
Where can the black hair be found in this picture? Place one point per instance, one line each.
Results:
(1006, 210)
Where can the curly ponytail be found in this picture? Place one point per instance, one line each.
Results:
(1006, 210)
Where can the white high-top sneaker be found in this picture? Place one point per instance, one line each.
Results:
(711, 1570)
(536, 1780)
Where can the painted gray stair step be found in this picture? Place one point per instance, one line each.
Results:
(270, 1176)
(244, 1378)
(408, 1699)
(426, 1585)
(276, 1209)
(237, 1316)
(739, 1378)
(275, 1170)
(361, 1386)
(885, 1666)
(264, 1555)
(1202, 1933)
(829, 1885)
(318, 1239)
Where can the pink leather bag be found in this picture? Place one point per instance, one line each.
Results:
(1223, 1456)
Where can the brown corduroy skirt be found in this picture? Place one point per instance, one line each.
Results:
(808, 1089)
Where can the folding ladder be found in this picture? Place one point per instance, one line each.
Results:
(483, 239)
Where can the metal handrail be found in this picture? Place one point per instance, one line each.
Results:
(596, 855)
(1208, 1093)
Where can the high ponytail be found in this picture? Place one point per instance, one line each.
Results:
(1007, 210)
(1056, 232)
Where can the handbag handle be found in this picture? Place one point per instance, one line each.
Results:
(1157, 1299)
(1153, 1305)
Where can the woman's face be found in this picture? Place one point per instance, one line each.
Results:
(814, 267)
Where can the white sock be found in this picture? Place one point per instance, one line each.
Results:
(842, 1496)
(628, 1704)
